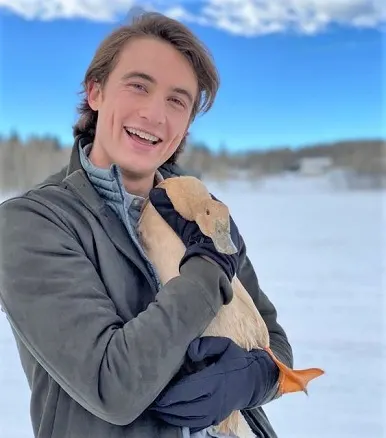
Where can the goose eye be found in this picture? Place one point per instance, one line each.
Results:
(207, 212)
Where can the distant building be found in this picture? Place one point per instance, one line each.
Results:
(315, 165)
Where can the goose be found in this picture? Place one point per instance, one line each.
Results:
(239, 320)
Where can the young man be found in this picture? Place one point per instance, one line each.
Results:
(101, 344)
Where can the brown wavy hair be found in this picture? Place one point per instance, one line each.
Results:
(166, 29)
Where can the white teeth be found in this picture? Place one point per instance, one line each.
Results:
(143, 134)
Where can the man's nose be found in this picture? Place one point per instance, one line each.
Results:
(153, 110)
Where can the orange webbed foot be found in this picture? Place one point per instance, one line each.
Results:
(294, 380)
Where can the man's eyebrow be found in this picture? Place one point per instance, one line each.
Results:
(138, 74)
(148, 78)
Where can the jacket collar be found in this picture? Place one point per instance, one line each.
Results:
(74, 163)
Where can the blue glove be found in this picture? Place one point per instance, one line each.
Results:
(195, 241)
(235, 379)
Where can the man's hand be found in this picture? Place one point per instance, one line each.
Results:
(235, 379)
(197, 244)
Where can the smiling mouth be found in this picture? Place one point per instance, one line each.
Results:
(142, 137)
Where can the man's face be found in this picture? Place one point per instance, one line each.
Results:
(150, 93)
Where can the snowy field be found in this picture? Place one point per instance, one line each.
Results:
(319, 254)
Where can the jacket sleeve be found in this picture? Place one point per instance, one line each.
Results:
(58, 306)
(278, 339)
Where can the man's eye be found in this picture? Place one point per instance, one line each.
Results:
(138, 87)
(177, 101)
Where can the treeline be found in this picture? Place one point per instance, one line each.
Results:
(363, 157)
(354, 164)
(23, 164)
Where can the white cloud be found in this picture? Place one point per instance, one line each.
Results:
(96, 10)
(240, 17)
(256, 17)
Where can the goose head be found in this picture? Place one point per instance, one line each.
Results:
(192, 200)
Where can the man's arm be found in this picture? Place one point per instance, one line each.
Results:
(58, 306)
(278, 339)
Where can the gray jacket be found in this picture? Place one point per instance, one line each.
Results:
(96, 341)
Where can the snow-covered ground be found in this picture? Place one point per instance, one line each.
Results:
(320, 257)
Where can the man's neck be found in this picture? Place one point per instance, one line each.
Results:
(140, 187)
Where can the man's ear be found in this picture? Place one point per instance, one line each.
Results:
(94, 95)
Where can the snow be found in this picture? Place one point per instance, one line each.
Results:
(319, 255)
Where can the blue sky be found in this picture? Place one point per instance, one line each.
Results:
(290, 76)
